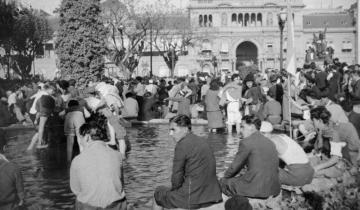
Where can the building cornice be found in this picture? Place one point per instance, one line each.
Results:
(244, 7)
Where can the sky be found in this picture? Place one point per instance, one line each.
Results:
(50, 5)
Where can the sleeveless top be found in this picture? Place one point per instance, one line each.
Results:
(294, 153)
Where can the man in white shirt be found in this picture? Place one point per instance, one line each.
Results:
(13, 107)
(96, 174)
(110, 94)
(151, 87)
(131, 107)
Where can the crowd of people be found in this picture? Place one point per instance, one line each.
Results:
(296, 131)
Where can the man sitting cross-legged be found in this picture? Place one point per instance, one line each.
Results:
(194, 182)
(258, 153)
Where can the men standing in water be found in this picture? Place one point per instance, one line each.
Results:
(193, 182)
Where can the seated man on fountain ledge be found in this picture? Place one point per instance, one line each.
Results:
(258, 153)
(194, 183)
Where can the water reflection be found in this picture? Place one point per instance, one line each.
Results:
(46, 173)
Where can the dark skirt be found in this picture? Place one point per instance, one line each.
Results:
(215, 119)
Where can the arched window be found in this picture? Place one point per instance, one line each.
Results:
(233, 18)
(259, 19)
(253, 19)
(200, 20)
(246, 19)
(210, 21)
(240, 19)
(205, 21)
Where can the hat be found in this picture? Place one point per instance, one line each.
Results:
(266, 127)
(151, 81)
(238, 202)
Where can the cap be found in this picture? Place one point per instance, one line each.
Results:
(266, 127)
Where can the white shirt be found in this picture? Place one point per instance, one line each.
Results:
(294, 153)
(151, 88)
(336, 148)
(36, 96)
(95, 175)
(106, 89)
(11, 99)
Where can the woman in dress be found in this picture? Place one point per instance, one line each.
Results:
(214, 115)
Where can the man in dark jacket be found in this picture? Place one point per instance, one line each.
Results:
(11, 182)
(261, 180)
(193, 182)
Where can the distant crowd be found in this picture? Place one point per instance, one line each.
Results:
(297, 132)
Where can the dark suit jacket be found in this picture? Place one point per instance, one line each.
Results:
(261, 179)
(194, 171)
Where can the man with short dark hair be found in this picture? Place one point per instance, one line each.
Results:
(96, 174)
(258, 153)
(131, 107)
(11, 183)
(193, 182)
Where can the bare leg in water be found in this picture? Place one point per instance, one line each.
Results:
(69, 147)
(38, 137)
(41, 143)
(34, 140)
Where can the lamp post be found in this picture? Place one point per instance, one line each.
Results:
(151, 51)
(120, 29)
(281, 20)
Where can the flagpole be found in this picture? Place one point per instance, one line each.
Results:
(288, 61)
(289, 95)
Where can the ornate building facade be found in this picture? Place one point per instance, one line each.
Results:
(242, 32)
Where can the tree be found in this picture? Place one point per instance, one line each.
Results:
(23, 31)
(31, 30)
(8, 13)
(129, 23)
(174, 38)
(81, 40)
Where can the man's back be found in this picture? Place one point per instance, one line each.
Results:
(131, 108)
(198, 180)
(261, 178)
(95, 175)
(11, 183)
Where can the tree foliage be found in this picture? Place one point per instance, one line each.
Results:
(23, 31)
(81, 40)
(129, 24)
(174, 38)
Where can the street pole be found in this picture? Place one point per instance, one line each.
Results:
(151, 52)
(281, 46)
(172, 62)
